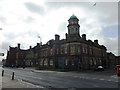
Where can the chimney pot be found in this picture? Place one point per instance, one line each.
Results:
(30, 47)
(96, 41)
(57, 37)
(19, 45)
(84, 36)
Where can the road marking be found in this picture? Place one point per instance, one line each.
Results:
(102, 79)
(114, 76)
(109, 80)
(75, 76)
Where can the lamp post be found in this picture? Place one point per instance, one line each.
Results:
(38, 52)
(40, 40)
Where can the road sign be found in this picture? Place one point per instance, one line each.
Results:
(1, 54)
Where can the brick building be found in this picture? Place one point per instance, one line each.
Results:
(74, 52)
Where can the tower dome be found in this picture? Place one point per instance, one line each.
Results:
(73, 17)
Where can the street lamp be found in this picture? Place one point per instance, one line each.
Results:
(40, 40)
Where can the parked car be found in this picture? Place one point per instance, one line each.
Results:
(117, 69)
(99, 68)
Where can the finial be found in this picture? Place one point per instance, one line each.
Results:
(73, 14)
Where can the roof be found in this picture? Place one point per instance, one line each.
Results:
(73, 17)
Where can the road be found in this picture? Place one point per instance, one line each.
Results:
(64, 79)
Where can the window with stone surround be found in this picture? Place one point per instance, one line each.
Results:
(62, 50)
(83, 49)
(72, 49)
(78, 49)
(90, 50)
(72, 62)
(45, 62)
(51, 62)
(41, 62)
(66, 62)
(65, 49)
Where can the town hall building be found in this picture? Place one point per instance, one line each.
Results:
(74, 52)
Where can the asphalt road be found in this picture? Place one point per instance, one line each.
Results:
(64, 79)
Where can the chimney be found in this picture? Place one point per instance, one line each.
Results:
(84, 36)
(96, 41)
(57, 37)
(19, 45)
(66, 35)
(30, 47)
(38, 44)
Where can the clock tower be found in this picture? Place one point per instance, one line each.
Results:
(73, 28)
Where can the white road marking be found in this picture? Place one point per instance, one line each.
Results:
(102, 79)
(109, 80)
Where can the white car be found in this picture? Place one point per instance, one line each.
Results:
(99, 68)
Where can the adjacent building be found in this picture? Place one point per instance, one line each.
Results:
(74, 52)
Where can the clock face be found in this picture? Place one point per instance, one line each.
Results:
(72, 30)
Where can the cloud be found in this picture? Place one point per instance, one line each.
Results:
(5, 45)
(2, 20)
(100, 10)
(62, 27)
(35, 8)
(112, 45)
(29, 19)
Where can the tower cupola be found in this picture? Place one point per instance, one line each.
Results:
(73, 27)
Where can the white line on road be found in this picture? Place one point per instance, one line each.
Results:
(101, 79)
(109, 80)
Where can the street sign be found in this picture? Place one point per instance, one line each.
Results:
(1, 54)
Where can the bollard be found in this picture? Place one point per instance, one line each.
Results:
(2, 72)
(13, 76)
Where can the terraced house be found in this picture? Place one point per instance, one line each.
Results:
(74, 52)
